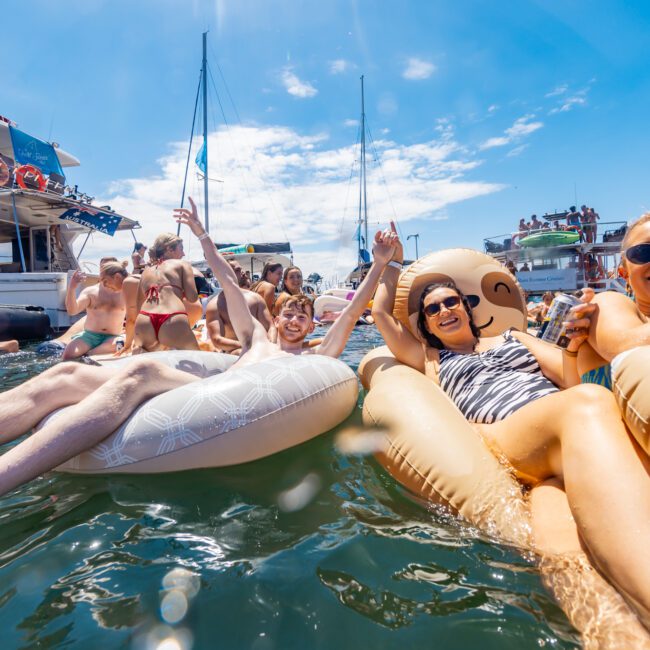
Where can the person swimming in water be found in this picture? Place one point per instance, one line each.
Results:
(103, 397)
(507, 386)
(104, 307)
(163, 319)
(291, 286)
(267, 284)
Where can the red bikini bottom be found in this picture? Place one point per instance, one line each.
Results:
(157, 320)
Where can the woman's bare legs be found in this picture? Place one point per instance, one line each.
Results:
(23, 407)
(594, 607)
(88, 422)
(578, 435)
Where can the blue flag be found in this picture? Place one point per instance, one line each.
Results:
(202, 158)
(95, 219)
(29, 150)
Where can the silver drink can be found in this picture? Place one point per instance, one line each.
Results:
(557, 314)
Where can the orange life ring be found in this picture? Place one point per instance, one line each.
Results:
(36, 172)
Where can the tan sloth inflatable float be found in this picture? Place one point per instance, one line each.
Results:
(433, 451)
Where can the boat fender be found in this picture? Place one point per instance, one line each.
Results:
(226, 418)
(631, 385)
(33, 174)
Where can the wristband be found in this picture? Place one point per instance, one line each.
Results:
(569, 353)
(205, 235)
(395, 265)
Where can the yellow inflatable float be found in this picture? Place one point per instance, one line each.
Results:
(434, 452)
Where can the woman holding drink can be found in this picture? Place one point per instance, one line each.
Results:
(507, 386)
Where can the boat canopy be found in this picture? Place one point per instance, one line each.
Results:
(8, 151)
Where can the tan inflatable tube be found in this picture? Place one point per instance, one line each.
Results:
(433, 451)
(631, 382)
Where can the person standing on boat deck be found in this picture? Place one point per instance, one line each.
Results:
(593, 225)
(217, 319)
(104, 307)
(291, 286)
(163, 317)
(137, 257)
(103, 397)
(268, 283)
(524, 268)
(523, 227)
(535, 224)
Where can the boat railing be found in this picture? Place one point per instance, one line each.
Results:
(607, 232)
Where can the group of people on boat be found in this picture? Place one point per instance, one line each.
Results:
(584, 222)
(506, 386)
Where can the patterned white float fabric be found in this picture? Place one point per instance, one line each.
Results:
(227, 419)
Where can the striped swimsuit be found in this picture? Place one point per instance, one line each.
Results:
(491, 385)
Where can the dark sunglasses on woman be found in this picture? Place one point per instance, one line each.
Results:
(639, 254)
(451, 302)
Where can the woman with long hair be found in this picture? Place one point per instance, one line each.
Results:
(163, 318)
(291, 286)
(508, 387)
(267, 284)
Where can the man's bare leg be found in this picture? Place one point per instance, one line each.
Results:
(88, 422)
(23, 407)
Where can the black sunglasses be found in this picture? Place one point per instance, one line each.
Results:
(639, 254)
(451, 302)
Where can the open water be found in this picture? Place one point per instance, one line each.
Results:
(228, 559)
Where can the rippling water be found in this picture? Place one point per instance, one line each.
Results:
(221, 558)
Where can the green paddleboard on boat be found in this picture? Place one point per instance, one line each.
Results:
(548, 239)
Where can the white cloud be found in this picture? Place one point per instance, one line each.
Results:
(569, 104)
(522, 127)
(280, 183)
(351, 122)
(558, 90)
(492, 108)
(569, 101)
(295, 86)
(513, 153)
(418, 69)
(339, 66)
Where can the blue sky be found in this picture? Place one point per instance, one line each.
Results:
(481, 112)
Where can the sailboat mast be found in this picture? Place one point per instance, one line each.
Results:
(204, 72)
(363, 206)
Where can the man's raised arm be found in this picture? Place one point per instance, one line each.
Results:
(243, 322)
(339, 333)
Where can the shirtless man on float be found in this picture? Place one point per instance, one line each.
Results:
(104, 307)
(102, 398)
(217, 319)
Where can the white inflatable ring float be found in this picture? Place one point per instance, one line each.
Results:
(227, 418)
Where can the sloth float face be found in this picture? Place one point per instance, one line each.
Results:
(496, 298)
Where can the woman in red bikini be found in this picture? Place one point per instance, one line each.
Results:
(163, 320)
